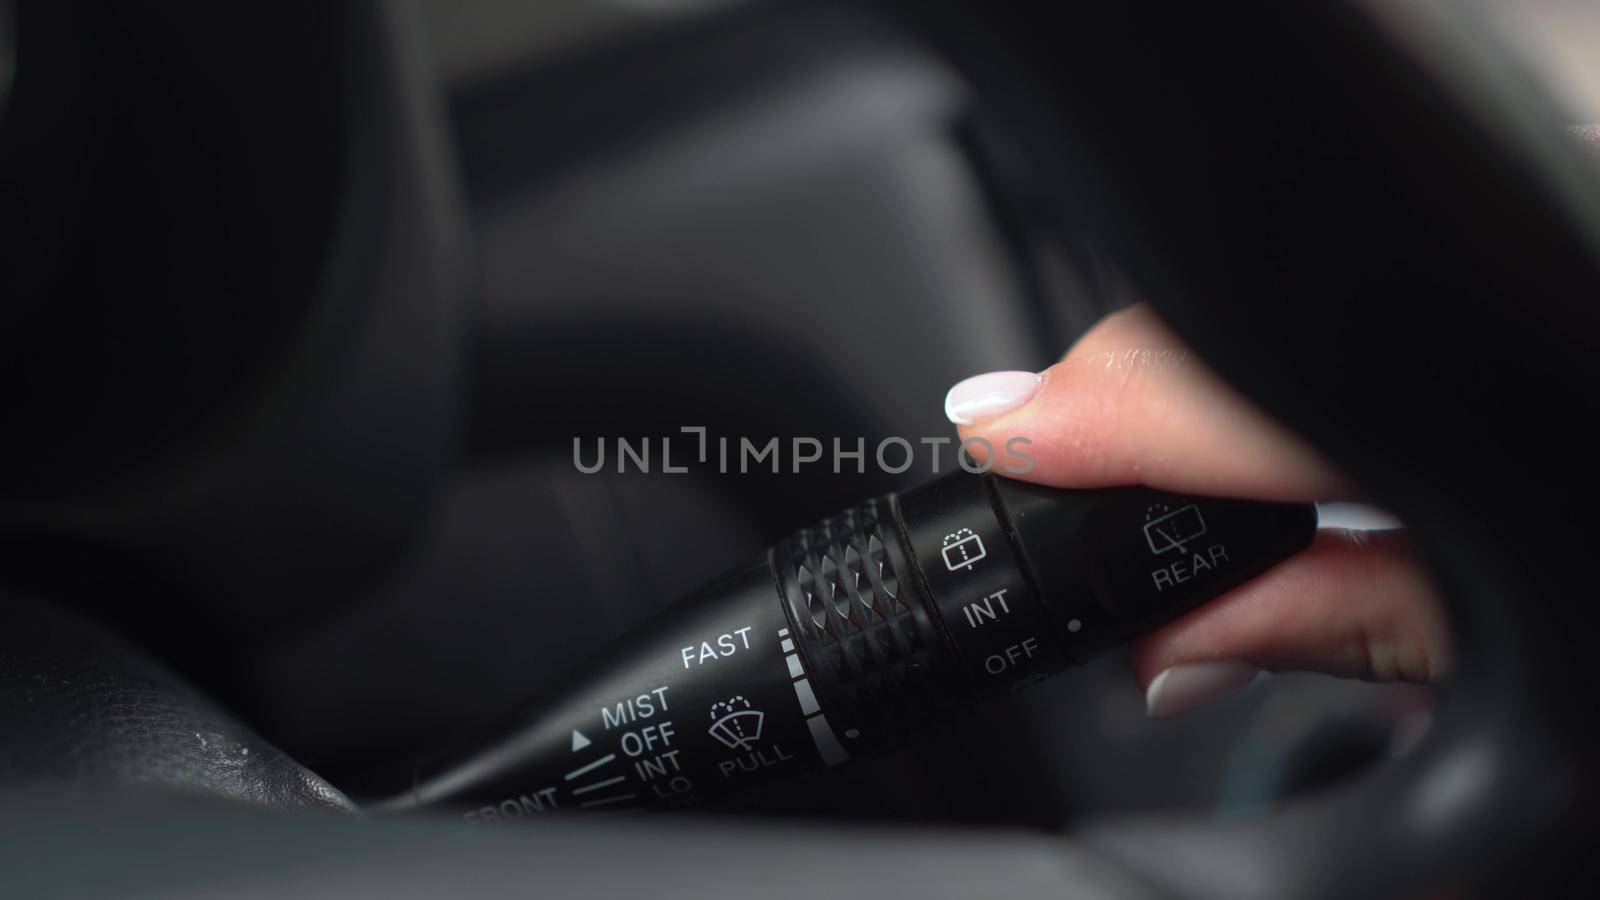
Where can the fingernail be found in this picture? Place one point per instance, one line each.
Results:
(990, 394)
(1186, 686)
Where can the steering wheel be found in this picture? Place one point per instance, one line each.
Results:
(1366, 218)
(1372, 222)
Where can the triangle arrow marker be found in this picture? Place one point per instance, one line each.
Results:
(578, 740)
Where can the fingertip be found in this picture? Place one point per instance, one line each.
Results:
(1180, 688)
(989, 395)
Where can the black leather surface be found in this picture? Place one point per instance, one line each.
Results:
(79, 704)
(124, 845)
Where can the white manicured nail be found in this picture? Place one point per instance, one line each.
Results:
(1186, 686)
(990, 394)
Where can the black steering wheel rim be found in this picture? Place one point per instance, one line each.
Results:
(1370, 220)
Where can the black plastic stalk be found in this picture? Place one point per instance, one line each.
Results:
(853, 633)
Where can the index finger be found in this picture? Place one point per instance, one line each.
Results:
(1131, 404)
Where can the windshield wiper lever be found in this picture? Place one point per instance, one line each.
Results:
(851, 634)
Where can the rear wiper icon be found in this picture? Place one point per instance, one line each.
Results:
(1173, 530)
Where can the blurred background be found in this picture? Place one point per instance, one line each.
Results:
(767, 222)
(764, 219)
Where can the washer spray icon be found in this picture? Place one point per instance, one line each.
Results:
(961, 549)
(737, 726)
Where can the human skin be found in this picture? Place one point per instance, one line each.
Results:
(1131, 404)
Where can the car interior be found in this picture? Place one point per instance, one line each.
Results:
(310, 308)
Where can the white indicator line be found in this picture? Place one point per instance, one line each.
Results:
(584, 770)
(607, 801)
(598, 785)
(808, 700)
(827, 743)
(630, 810)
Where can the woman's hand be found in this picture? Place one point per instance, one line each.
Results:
(1129, 404)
